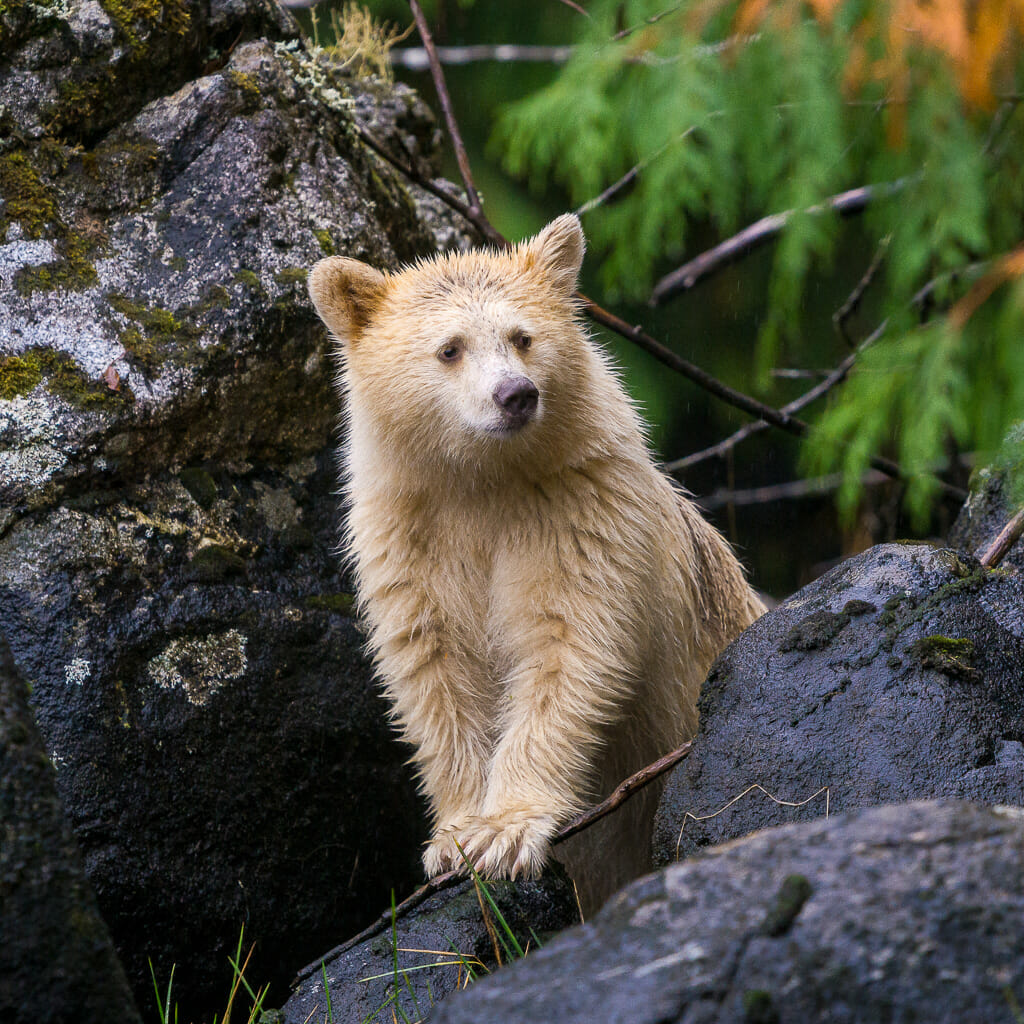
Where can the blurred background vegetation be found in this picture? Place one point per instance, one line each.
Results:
(731, 110)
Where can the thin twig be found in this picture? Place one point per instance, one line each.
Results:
(449, 117)
(1008, 536)
(853, 301)
(839, 374)
(474, 217)
(622, 792)
(756, 234)
(774, 417)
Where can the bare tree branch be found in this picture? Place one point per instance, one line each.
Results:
(813, 394)
(790, 491)
(622, 792)
(750, 238)
(416, 58)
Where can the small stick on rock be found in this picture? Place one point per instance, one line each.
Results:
(1008, 536)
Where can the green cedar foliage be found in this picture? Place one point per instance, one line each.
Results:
(735, 110)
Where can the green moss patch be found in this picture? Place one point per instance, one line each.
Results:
(247, 85)
(136, 18)
(291, 275)
(326, 242)
(26, 199)
(794, 892)
(951, 656)
(19, 375)
(214, 564)
(249, 278)
(340, 604)
(31, 203)
(158, 333)
(200, 485)
(817, 630)
(63, 377)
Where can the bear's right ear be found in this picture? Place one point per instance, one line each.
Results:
(346, 294)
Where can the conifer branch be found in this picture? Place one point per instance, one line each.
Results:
(636, 334)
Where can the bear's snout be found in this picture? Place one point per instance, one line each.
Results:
(517, 398)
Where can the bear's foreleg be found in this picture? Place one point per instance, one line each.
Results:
(559, 703)
(443, 711)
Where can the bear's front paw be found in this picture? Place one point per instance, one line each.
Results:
(516, 846)
(442, 854)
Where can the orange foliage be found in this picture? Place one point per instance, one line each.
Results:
(979, 39)
(1007, 268)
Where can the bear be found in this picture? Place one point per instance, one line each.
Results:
(542, 602)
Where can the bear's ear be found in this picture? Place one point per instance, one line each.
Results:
(558, 251)
(346, 294)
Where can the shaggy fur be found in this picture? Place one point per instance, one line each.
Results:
(543, 604)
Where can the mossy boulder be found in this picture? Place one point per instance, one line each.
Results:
(896, 676)
(169, 579)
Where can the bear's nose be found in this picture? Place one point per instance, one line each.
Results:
(517, 398)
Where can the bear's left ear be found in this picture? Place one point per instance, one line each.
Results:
(346, 294)
(558, 251)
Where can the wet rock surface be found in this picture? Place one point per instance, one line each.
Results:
(169, 579)
(900, 913)
(435, 949)
(57, 960)
(896, 676)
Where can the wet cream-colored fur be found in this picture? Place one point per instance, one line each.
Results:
(543, 604)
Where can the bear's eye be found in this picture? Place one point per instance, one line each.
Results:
(521, 340)
(450, 352)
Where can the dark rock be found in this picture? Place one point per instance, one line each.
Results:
(449, 934)
(987, 510)
(896, 676)
(900, 913)
(57, 962)
(168, 518)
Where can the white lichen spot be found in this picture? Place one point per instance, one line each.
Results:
(277, 506)
(77, 671)
(200, 666)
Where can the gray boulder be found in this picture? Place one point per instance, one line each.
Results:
(901, 913)
(57, 961)
(438, 947)
(169, 578)
(896, 676)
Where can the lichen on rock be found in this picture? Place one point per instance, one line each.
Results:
(200, 667)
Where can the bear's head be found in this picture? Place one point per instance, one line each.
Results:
(465, 353)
